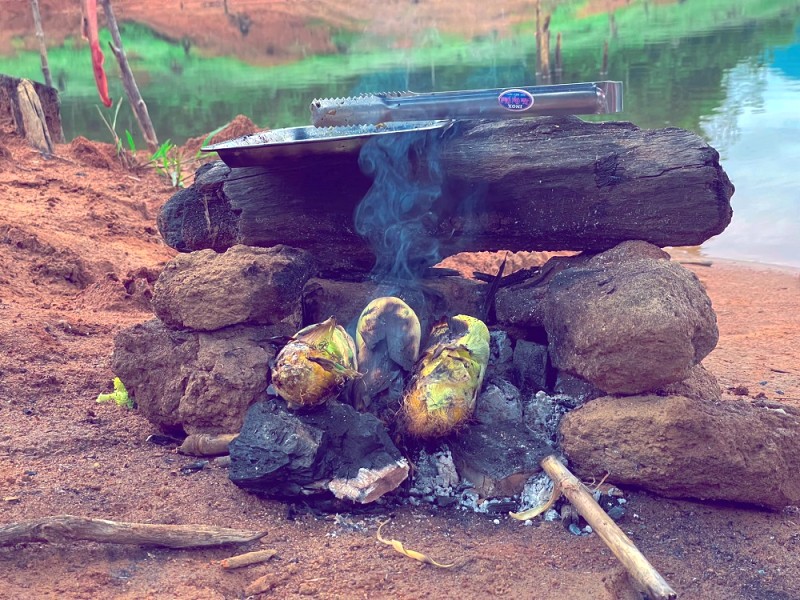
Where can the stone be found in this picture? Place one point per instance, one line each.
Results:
(699, 385)
(628, 325)
(501, 355)
(498, 452)
(195, 381)
(530, 366)
(688, 448)
(205, 290)
(332, 449)
(499, 402)
(520, 308)
(580, 389)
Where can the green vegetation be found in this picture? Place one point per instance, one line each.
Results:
(659, 51)
(120, 395)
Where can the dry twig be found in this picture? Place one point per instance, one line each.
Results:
(66, 528)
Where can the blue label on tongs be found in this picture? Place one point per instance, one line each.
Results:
(515, 100)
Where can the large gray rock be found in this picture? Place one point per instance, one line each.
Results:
(284, 454)
(201, 382)
(628, 322)
(205, 290)
(688, 448)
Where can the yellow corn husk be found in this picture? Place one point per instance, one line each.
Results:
(315, 365)
(387, 340)
(441, 395)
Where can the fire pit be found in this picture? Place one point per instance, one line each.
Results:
(617, 318)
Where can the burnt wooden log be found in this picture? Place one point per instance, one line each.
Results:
(523, 184)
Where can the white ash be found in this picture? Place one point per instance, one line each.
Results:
(543, 412)
(537, 491)
(470, 500)
(434, 475)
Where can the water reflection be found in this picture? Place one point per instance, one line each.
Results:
(757, 130)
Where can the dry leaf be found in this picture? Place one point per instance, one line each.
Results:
(397, 545)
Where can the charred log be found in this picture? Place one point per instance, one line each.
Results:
(538, 184)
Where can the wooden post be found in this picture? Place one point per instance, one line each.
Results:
(37, 22)
(620, 544)
(559, 60)
(604, 67)
(538, 41)
(131, 89)
(545, 49)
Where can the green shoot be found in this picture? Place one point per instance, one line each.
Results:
(120, 395)
(131, 143)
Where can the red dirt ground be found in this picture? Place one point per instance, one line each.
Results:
(78, 248)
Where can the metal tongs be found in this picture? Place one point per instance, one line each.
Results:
(600, 97)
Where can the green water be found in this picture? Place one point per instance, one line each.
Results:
(729, 70)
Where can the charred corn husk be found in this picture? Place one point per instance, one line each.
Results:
(387, 339)
(441, 395)
(315, 365)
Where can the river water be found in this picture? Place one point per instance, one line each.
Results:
(728, 70)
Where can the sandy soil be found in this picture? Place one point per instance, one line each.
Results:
(78, 250)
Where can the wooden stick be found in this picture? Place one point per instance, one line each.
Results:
(37, 22)
(206, 444)
(64, 528)
(131, 89)
(260, 585)
(620, 544)
(249, 558)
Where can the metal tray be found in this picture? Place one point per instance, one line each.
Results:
(301, 142)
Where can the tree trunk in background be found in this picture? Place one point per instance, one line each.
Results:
(37, 22)
(131, 89)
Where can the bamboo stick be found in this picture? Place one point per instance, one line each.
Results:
(249, 558)
(64, 528)
(131, 89)
(620, 544)
(205, 444)
(37, 22)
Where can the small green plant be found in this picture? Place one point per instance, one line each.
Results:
(120, 395)
(126, 157)
(168, 161)
(131, 143)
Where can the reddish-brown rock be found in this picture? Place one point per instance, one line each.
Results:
(685, 448)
